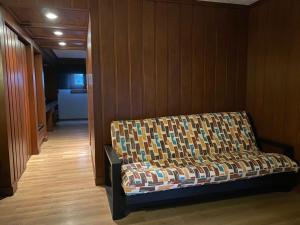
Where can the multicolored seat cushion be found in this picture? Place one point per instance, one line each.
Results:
(158, 175)
(181, 151)
(181, 136)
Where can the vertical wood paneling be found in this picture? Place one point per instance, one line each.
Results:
(173, 44)
(292, 90)
(40, 97)
(198, 45)
(89, 74)
(148, 59)
(98, 113)
(33, 121)
(164, 58)
(273, 70)
(222, 37)
(186, 33)
(135, 35)
(231, 59)
(209, 59)
(11, 103)
(6, 142)
(242, 48)
(20, 105)
(38, 65)
(27, 115)
(161, 44)
(15, 71)
(10, 61)
(109, 93)
(122, 59)
(19, 122)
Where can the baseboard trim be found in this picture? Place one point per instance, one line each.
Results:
(8, 191)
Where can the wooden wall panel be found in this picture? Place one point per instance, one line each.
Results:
(26, 110)
(40, 98)
(89, 75)
(148, 56)
(273, 96)
(135, 41)
(154, 58)
(186, 32)
(173, 85)
(6, 143)
(198, 44)
(18, 107)
(32, 95)
(38, 66)
(18, 118)
(122, 59)
(161, 56)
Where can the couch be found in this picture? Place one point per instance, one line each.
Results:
(176, 159)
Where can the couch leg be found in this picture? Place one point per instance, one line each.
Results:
(116, 204)
(118, 207)
(118, 213)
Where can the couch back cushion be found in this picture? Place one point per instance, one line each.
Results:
(223, 132)
(150, 139)
(181, 136)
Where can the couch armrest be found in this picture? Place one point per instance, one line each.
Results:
(112, 166)
(113, 182)
(111, 155)
(286, 149)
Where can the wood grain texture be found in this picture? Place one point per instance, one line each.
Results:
(17, 106)
(273, 96)
(69, 197)
(38, 4)
(6, 161)
(48, 196)
(40, 98)
(19, 133)
(32, 95)
(157, 58)
(72, 21)
(98, 89)
(89, 77)
(13, 23)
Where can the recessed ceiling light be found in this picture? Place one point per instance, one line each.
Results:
(51, 16)
(78, 43)
(62, 43)
(58, 33)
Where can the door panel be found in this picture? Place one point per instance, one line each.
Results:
(15, 58)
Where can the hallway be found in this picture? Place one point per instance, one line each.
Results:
(58, 185)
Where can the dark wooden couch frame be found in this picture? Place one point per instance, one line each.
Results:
(121, 204)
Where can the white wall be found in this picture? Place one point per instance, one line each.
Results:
(72, 105)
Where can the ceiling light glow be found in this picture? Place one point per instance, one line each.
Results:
(58, 33)
(62, 43)
(78, 43)
(51, 16)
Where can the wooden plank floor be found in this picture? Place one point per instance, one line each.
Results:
(58, 188)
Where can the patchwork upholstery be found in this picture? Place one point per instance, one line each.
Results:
(181, 151)
(143, 177)
(181, 136)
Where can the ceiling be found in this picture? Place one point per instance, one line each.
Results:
(72, 21)
(70, 54)
(239, 2)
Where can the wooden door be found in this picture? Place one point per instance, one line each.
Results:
(18, 108)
